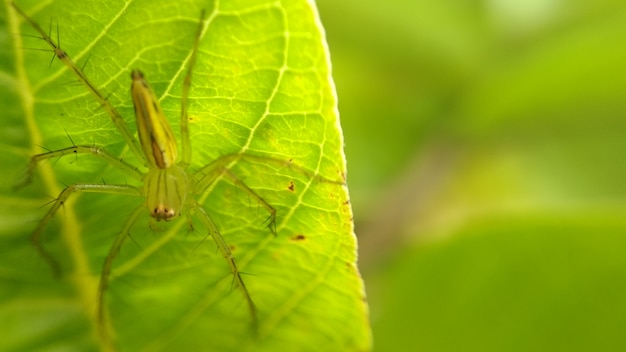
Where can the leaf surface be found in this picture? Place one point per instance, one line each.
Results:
(261, 86)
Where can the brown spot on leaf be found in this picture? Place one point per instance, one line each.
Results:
(291, 186)
(343, 176)
(299, 237)
(232, 248)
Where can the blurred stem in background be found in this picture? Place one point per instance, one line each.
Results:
(486, 144)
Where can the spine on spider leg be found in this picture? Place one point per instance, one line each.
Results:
(270, 209)
(75, 150)
(227, 254)
(60, 201)
(64, 57)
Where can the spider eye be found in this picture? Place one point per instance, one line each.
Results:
(166, 190)
(163, 213)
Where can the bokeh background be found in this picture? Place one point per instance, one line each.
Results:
(486, 146)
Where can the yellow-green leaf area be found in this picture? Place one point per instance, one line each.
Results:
(261, 86)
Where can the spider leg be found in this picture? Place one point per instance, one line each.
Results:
(228, 255)
(184, 105)
(228, 160)
(209, 175)
(220, 167)
(105, 330)
(58, 203)
(75, 150)
(117, 119)
(270, 209)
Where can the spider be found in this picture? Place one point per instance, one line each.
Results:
(168, 185)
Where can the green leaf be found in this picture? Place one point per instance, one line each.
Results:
(502, 216)
(532, 282)
(262, 86)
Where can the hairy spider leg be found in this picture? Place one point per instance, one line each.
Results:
(61, 199)
(220, 167)
(105, 331)
(211, 172)
(227, 160)
(192, 205)
(227, 254)
(74, 150)
(117, 119)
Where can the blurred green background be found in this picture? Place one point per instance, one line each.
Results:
(486, 146)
